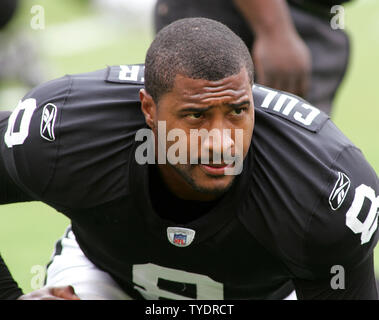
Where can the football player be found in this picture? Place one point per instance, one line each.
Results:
(301, 213)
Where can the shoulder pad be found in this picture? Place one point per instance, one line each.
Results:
(289, 107)
(132, 74)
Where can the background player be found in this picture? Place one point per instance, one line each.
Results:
(293, 45)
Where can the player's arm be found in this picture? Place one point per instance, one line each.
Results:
(358, 283)
(9, 191)
(51, 293)
(9, 289)
(282, 60)
(342, 233)
(27, 148)
(24, 163)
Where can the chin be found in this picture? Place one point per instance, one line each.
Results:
(213, 185)
(202, 182)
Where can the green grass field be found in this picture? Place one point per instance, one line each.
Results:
(28, 231)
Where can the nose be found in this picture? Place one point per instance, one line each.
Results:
(217, 143)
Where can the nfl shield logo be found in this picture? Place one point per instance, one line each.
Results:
(180, 237)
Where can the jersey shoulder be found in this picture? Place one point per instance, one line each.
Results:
(303, 184)
(287, 107)
(342, 228)
(70, 138)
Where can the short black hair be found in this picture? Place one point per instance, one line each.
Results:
(197, 48)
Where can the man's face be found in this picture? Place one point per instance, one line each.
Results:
(225, 107)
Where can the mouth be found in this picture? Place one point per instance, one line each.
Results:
(215, 169)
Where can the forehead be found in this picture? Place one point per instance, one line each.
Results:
(233, 88)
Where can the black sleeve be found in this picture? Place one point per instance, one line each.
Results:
(59, 147)
(357, 284)
(28, 156)
(342, 233)
(9, 290)
(9, 192)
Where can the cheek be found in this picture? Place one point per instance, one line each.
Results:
(178, 145)
(248, 134)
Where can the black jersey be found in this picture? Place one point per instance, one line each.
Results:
(326, 3)
(306, 200)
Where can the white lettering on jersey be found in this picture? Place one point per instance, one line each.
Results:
(147, 276)
(289, 106)
(271, 94)
(131, 73)
(12, 137)
(368, 227)
(310, 116)
(285, 105)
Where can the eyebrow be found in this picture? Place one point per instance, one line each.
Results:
(237, 105)
(230, 105)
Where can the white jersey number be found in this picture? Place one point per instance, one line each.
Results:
(368, 227)
(150, 280)
(12, 137)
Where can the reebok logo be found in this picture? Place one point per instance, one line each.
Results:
(339, 191)
(49, 114)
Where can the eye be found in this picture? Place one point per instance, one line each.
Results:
(196, 115)
(238, 111)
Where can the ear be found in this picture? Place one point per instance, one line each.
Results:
(148, 108)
